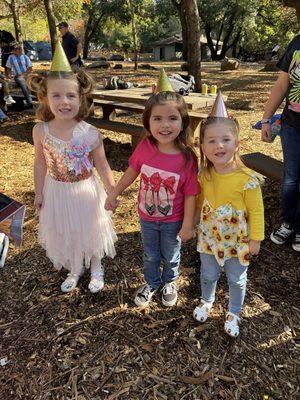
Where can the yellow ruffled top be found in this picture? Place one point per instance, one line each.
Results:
(232, 213)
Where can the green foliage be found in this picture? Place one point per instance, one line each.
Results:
(273, 24)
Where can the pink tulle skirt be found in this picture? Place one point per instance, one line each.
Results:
(74, 226)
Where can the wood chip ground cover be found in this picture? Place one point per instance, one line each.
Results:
(95, 347)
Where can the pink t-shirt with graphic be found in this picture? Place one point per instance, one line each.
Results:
(165, 179)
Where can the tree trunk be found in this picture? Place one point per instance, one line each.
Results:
(210, 44)
(51, 23)
(134, 35)
(13, 6)
(181, 12)
(193, 41)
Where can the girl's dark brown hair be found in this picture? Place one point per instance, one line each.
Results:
(38, 83)
(183, 140)
(234, 128)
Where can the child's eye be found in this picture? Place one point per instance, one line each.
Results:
(156, 118)
(174, 118)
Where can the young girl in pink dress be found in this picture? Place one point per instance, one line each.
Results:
(75, 229)
(167, 166)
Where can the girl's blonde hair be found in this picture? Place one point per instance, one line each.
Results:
(38, 83)
(183, 140)
(234, 128)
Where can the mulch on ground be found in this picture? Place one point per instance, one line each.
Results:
(95, 347)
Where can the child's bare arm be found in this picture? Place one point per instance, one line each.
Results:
(127, 179)
(187, 230)
(103, 168)
(40, 167)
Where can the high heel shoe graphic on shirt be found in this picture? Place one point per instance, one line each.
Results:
(163, 200)
(149, 195)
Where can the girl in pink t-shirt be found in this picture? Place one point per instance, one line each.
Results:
(167, 165)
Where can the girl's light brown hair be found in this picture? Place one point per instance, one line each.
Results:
(38, 83)
(183, 141)
(234, 128)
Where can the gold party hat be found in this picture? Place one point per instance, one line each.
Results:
(163, 84)
(60, 62)
(219, 108)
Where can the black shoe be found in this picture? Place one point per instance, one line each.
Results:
(282, 234)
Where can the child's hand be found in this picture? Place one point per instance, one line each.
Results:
(111, 203)
(186, 234)
(254, 247)
(38, 201)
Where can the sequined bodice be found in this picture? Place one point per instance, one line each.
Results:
(70, 161)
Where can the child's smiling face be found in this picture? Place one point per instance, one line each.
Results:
(63, 98)
(219, 144)
(165, 123)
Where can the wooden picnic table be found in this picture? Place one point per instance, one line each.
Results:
(134, 100)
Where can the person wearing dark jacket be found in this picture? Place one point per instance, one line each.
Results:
(70, 44)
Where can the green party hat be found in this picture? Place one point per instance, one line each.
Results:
(163, 84)
(60, 62)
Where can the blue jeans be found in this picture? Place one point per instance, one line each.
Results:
(236, 277)
(161, 243)
(290, 185)
(2, 115)
(21, 82)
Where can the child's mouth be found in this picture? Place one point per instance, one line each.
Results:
(165, 133)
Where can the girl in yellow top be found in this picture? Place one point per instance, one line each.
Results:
(230, 210)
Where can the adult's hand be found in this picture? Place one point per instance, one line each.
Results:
(266, 133)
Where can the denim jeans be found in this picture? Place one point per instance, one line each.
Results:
(161, 244)
(21, 82)
(236, 277)
(2, 115)
(290, 185)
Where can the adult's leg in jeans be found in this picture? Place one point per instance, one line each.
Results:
(290, 186)
(237, 282)
(2, 115)
(21, 82)
(151, 238)
(170, 245)
(209, 275)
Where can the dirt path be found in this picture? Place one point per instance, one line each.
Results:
(87, 347)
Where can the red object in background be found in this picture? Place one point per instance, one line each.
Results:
(153, 88)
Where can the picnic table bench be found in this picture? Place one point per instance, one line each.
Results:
(263, 164)
(134, 100)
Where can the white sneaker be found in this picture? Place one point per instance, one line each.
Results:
(296, 243)
(69, 283)
(169, 294)
(4, 242)
(8, 100)
(97, 280)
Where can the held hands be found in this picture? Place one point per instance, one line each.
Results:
(38, 201)
(266, 133)
(74, 59)
(111, 203)
(186, 233)
(254, 247)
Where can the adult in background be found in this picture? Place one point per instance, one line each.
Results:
(17, 66)
(287, 86)
(6, 43)
(70, 44)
